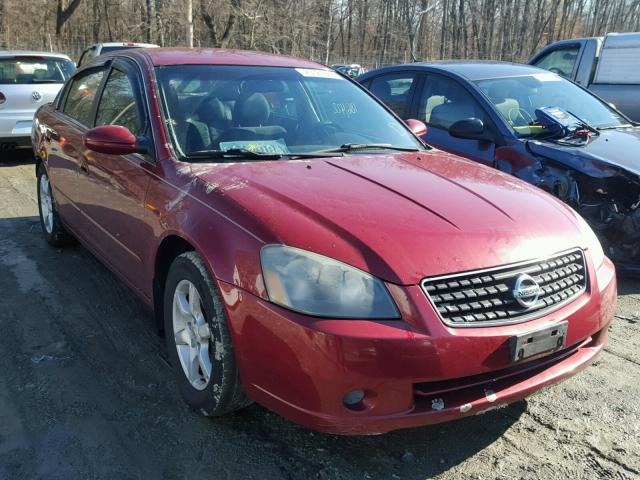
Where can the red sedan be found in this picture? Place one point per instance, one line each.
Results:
(302, 248)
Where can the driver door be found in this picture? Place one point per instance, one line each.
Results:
(442, 102)
(113, 187)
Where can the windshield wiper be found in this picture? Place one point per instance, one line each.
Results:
(351, 147)
(613, 127)
(42, 80)
(233, 152)
(249, 154)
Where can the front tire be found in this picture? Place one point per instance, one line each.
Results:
(52, 227)
(198, 339)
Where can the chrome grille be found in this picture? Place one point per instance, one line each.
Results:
(486, 297)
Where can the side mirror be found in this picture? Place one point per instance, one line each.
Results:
(471, 129)
(417, 127)
(112, 139)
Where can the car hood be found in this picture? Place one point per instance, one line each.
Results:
(603, 156)
(401, 217)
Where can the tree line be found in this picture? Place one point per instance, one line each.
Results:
(369, 32)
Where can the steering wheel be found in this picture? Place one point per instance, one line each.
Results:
(124, 111)
(325, 129)
(520, 117)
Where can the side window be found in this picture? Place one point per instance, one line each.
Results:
(560, 61)
(394, 90)
(82, 92)
(444, 101)
(118, 105)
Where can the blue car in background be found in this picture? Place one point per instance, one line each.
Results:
(535, 125)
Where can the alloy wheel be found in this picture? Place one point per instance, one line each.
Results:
(46, 204)
(191, 334)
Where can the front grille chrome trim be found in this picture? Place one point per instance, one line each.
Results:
(506, 272)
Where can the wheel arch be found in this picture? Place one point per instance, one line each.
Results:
(38, 162)
(170, 247)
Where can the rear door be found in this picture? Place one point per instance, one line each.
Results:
(442, 101)
(113, 187)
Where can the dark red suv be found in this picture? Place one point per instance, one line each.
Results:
(301, 247)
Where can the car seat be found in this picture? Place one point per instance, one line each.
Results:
(41, 74)
(457, 106)
(251, 117)
(175, 113)
(508, 107)
(432, 102)
(211, 118)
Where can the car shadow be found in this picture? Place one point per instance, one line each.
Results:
(628, 283)
(16, 156)
(414, 453)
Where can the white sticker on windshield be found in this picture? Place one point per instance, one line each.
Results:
(546, 77)
(317, 73)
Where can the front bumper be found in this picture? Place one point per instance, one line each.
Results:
(414, 372)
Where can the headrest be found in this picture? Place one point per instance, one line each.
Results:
(40, 73)
(253, 111)
(213, 112)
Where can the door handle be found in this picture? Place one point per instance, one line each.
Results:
(84, 164)
(51, 134)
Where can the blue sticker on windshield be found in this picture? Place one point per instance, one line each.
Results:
(257, 146)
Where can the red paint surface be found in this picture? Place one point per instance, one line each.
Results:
(401, 217)
(111, 139)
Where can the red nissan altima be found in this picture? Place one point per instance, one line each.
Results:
(303, 249)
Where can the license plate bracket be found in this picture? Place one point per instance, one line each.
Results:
(547, 339)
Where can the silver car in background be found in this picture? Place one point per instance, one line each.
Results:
(27, 81)
(97, 49)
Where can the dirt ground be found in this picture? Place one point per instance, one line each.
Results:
(85, 392)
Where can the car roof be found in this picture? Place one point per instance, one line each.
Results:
(216, 56)
(28, 53)
(474, 70)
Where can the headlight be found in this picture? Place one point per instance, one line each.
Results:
(320, 286)
(593, 244)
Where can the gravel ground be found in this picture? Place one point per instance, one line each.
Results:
(85, 392)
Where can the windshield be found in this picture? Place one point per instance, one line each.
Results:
(517, 98)
(30, 69)
(272, 110)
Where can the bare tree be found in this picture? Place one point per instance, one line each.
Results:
(64, 14)
(189, 4)
(370, 32)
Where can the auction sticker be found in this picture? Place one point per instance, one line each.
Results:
(317, 73)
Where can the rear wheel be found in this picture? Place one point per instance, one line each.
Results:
(198, 339)
(54, 231)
